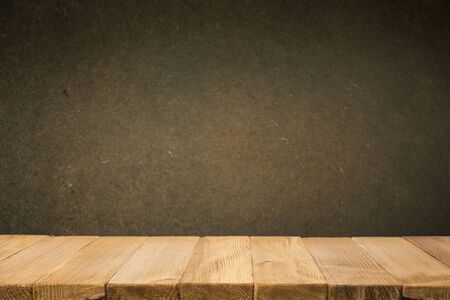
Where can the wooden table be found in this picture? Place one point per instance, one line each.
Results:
(90, 267)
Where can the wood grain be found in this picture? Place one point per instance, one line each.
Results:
(436, 246)
(41, 267)
(11, 244)
(422, 276)
(350, 272)
(220, 268)
(85, 276)
(154, 271)
(284, 269)
(20, 271)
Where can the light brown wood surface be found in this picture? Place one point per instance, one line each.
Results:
(220, 268)
(422, 276)
(283, 269)
(154, 271)
(85, 276)
(20, 271)
(225, 268)
(350, 272)
(11, 244)
(436, 246)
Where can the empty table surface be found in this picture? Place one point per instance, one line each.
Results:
(230, 267)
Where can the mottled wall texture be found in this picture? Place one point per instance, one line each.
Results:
(220, 117)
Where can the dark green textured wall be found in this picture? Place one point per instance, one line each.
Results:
(225, 117)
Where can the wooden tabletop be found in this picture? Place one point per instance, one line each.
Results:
(90, 267)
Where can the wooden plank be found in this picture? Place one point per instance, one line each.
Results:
(11, 244)
(422, 276)
(85, 276)
(20, 271)
(284, 269)
(154, 271)
(350, 271)
(436, 246)
(220, 268)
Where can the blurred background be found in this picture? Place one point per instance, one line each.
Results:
(311, 118)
